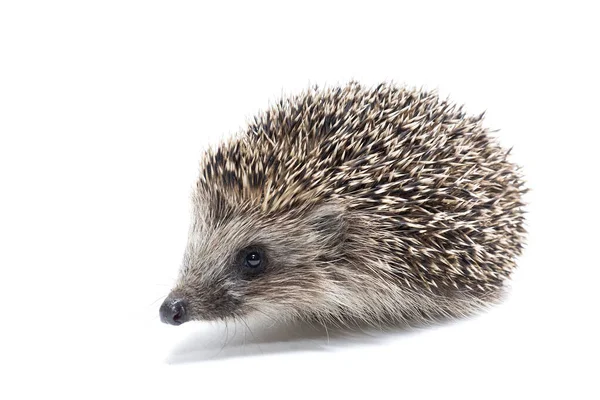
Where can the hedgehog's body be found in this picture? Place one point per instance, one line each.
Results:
(352, 204)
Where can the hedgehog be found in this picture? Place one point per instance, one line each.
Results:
(352, 204)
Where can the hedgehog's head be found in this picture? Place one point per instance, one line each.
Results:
(242, 259)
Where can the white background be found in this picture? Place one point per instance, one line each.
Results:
(104, 110)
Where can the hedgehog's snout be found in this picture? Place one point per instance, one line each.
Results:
(173, 311)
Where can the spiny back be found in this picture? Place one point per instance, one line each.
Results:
(440, 190)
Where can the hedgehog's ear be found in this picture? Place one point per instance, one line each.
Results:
(329, 222)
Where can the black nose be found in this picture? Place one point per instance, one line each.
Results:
(173, 311)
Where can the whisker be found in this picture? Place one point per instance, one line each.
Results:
(154, 302)
(326, 331)
(252, 333)
(226, 339)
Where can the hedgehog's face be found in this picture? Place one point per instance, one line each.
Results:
(243, 262)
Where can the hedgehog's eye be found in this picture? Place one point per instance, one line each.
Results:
(253, 259)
